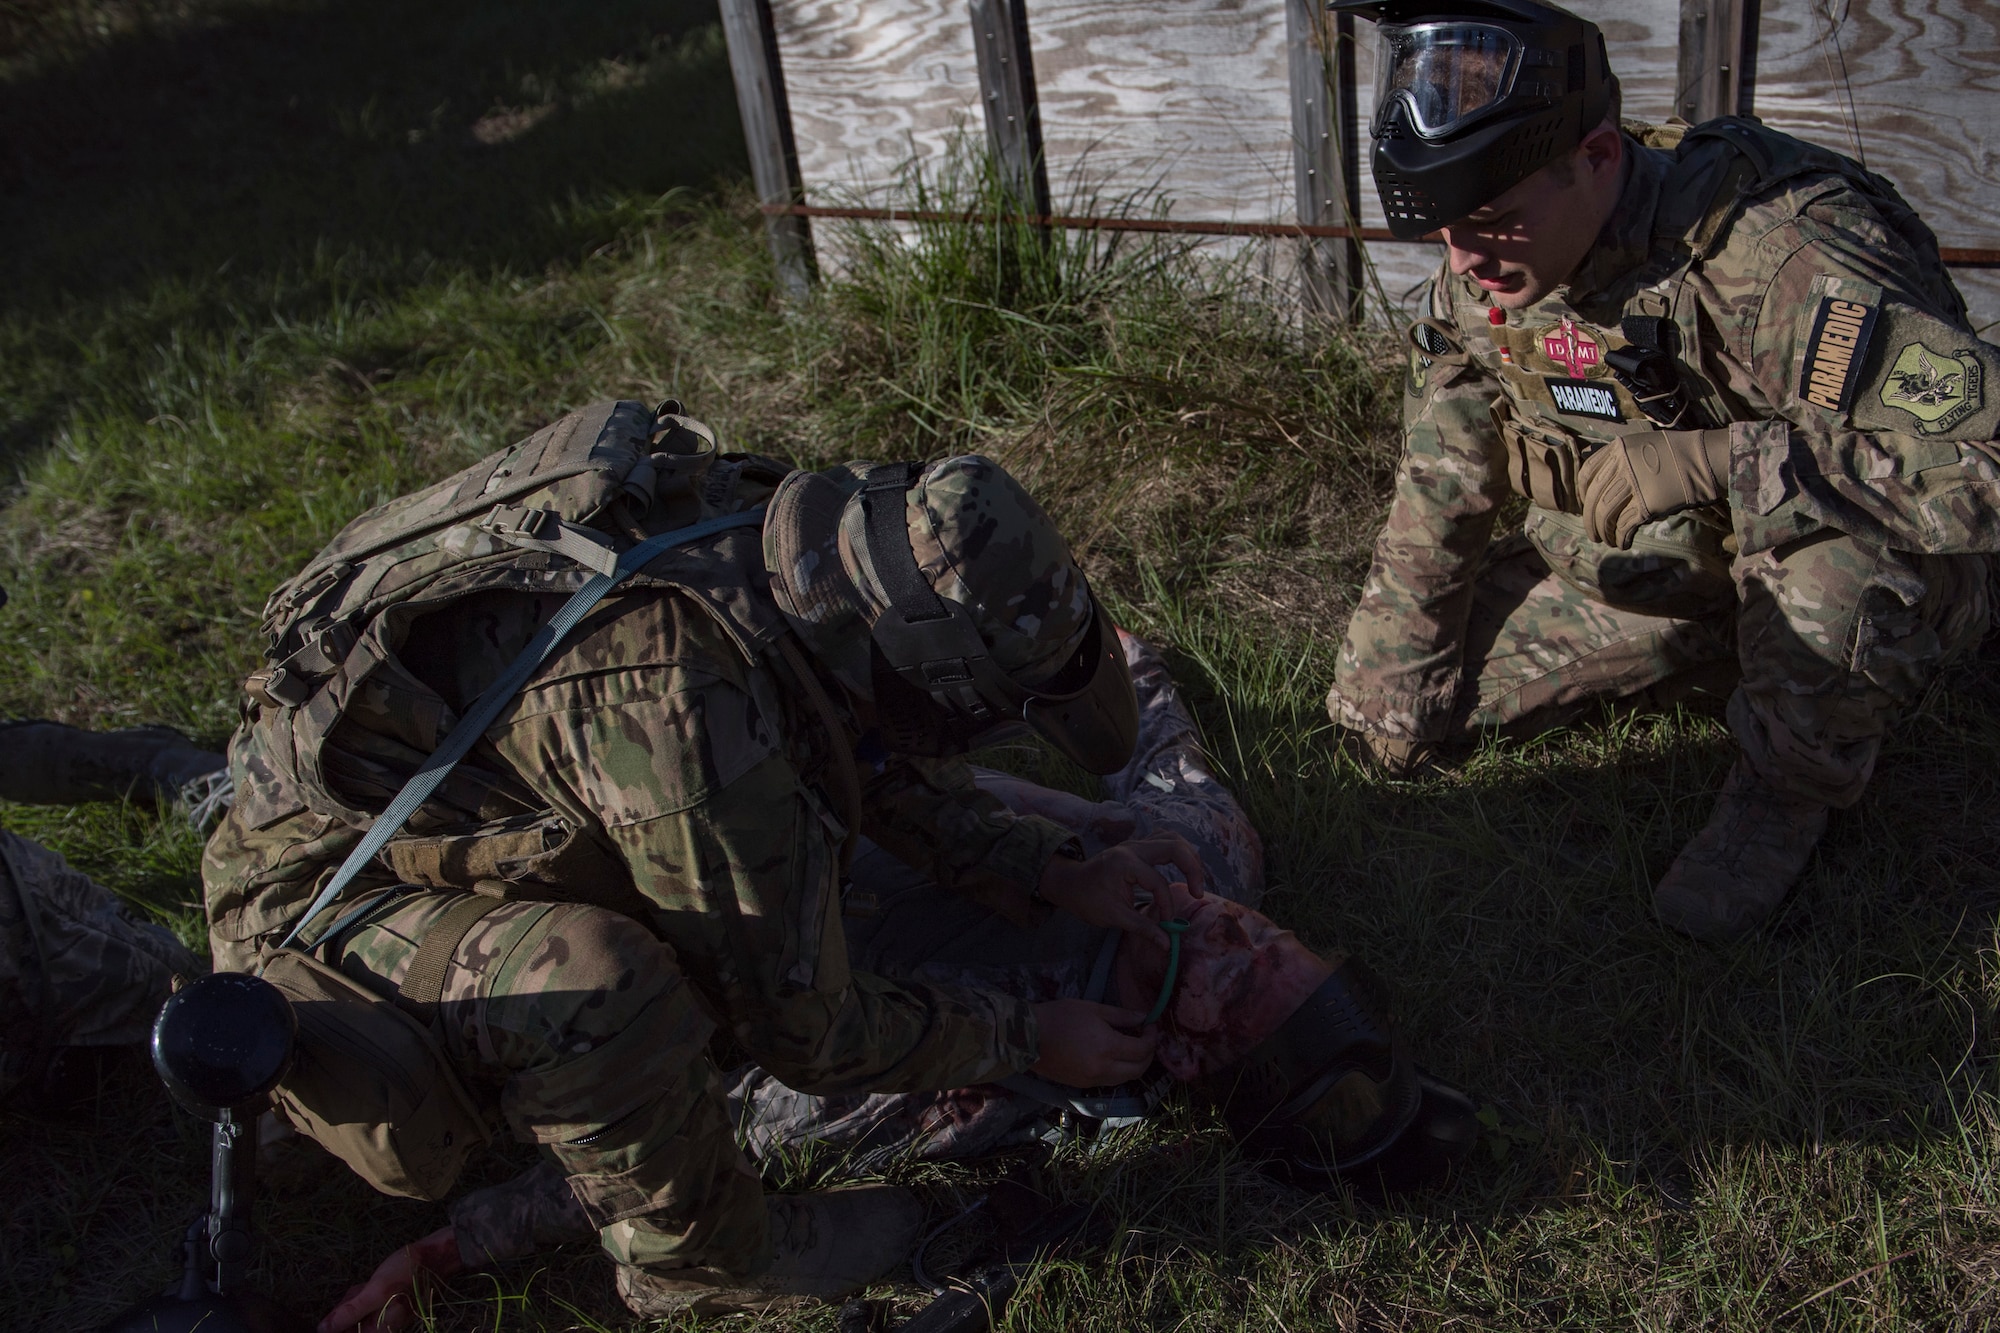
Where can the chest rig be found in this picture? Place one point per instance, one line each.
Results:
(1630, 358)
(543, 516)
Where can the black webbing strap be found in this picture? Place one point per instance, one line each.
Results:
(423, 984)
(910, 593)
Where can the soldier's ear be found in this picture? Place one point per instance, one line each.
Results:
(1602, 152)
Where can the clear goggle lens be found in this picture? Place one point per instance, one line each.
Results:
(1446, 73)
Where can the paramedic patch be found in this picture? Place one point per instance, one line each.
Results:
(1582, 398)
(1834, 353)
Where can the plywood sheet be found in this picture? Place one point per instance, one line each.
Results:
(1911, 87)
(872, 83)
(1191, 97)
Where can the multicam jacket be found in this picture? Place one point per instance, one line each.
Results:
(1799, 301)
(669, 760)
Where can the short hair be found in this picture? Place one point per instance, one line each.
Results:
(1563, 170)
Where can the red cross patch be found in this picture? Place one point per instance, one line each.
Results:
(1569, 349)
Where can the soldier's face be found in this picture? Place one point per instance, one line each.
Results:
(1526, 243)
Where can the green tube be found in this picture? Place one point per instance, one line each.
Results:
(1173, 929)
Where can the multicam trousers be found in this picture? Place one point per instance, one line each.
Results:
(1825, 643)
(574, 1024)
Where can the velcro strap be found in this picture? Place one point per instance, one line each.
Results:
(883, 509)
(423, 984)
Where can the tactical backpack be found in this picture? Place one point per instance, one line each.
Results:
(544, 516)
(611, 494)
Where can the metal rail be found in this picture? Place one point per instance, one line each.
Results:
(1957, 256)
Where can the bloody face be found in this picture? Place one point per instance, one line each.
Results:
(1240, 977)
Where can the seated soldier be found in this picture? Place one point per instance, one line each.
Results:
(1238, 980)
(658, 824)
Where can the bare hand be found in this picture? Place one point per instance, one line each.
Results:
(1104, 890)
(388, 1300)
(1085, 1045)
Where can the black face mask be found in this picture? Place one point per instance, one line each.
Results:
(1474, 98)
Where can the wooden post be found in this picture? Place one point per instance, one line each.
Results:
(1718, 67)
(1007, 89)
(1325, 155)
(752, 35)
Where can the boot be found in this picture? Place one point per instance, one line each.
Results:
(1733, 874)
(823, 1246)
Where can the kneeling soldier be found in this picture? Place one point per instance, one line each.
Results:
(1726, 369)
(647, 843)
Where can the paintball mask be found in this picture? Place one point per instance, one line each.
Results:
(947, 596)
(1473, 98)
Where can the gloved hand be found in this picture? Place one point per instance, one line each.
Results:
(1394, 757)
(1650, 475)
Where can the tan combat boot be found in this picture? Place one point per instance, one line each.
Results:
(823, 1246)
(1735, 872)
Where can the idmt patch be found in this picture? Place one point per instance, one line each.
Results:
(1839, 343)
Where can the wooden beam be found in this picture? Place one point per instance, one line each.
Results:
(752, 36)
(1718, 66)
(1007, 91)
(1320, 49)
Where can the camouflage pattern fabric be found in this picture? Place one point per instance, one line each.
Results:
(571, 1021)
(1448, 637)
(76, 967)
(979, 539)
(898, 924)
(704, 777)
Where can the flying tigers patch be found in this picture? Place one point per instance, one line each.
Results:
(1582, 398)
(1938, 390)
(1834, 353)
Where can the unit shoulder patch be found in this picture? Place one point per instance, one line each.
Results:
(1583, 398)
(1835, 350)
(1938, 390)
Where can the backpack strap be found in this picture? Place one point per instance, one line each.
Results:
(428, 778)
(423, 983)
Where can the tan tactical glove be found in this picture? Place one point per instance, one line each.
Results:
(1650, 475)
(1396, 758)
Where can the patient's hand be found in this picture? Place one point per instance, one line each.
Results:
(1104, 890)
(1086, 1045)
(387, 1301)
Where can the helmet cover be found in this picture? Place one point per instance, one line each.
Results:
(949, 582)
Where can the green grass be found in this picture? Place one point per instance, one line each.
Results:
(267, 263)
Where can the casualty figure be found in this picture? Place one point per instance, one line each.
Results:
(635, 877)
(1729, 374)
(1256, 1023)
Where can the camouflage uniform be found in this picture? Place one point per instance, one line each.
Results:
(695, 780)
(897, 924)
(1748, 249)
(77, 970)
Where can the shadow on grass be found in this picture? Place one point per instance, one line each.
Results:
(219, 157)
(1510, 901)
